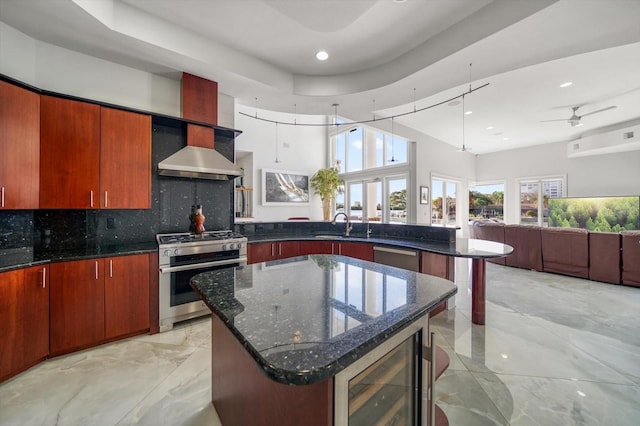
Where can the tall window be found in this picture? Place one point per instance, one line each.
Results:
(534, 196)
(374, 166)
(486, 201)
(444, 209)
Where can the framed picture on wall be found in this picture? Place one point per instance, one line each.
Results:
(281, 187)
(424, 195)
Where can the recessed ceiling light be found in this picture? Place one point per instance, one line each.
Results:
(468, 112)
(489, 128)
(399, 1)
(322, 55)
(505, 139)
(567, 84)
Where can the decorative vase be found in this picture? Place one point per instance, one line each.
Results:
(326, 209)
(199, 220)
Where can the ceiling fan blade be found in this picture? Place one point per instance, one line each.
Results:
(598, 110)
(546, 121)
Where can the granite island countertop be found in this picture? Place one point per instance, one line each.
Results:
(305, 319)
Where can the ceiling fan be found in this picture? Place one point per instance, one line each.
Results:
(574, 120)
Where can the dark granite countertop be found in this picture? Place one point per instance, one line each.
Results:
(463, 247)
(22, 257)
(306, 318)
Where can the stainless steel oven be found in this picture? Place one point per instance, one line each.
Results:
(184, 255)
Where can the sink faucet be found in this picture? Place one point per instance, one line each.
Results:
(348, 228)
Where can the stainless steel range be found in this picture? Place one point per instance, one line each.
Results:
(184, 255)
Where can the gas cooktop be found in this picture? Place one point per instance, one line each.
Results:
(186, 237)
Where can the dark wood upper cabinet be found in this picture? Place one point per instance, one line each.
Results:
(93, 157)
(69, 153)
(20, 147)
(125, 159)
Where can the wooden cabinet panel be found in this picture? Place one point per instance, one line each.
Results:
(260, 252)
(69, 153)
(315, 247)
(287, 249)
(24, 319)
(76, 305)
(125, 159)
(20, 147)
(438, 265)
(126, 290)
(362, 251)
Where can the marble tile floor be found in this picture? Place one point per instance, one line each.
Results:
(555, 350)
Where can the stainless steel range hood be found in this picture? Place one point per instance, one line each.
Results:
(200, 163)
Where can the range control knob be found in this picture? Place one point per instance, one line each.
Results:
(166, 253)
(177, 252)
(233, 246)
(240, 245)
(224, 247)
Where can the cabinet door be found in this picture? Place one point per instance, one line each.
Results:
(69, 153)
(24, 319)
(126, 290)
(438, 265)
(261, 252)
(125, 159)
(20, 147)
(362, 251)
(36, 314)
(288, 249)
(76, 310)
(315, 247)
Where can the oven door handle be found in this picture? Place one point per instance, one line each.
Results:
(169, 269)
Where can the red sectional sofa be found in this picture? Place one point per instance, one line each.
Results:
(527, 246)
(599, 256)
(491, 231)
(631, 258)
(566, 251)
(604, 257)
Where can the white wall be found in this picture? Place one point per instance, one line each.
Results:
(600, 175)
(300, 149)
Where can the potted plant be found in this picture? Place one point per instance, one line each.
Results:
(327, 183)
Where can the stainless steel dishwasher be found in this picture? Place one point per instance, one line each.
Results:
(401, 258)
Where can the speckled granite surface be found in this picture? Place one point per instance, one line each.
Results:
(306, 318)
(22, 257)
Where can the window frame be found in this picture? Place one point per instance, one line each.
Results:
(539, 180)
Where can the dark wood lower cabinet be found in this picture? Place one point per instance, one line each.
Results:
(24, 319)
(96, 300)
(76, 305)
(126, 295)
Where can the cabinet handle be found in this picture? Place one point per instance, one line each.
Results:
(279, 249)
(2, 202)
(110, 268)
(106, 199)
(44, 277)
(273, 253)
(91, 202)
(96, 269)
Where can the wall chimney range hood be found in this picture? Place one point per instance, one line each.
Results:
(199, 163)
(199, 159)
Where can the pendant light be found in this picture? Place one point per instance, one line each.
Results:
(277, 161)
(393, 158)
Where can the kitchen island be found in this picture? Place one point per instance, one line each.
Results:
(319, 339)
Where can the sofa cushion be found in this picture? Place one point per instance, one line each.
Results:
(527, 246)
(631, 258)
(491, 231)
(604, 257)
(566, 251)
